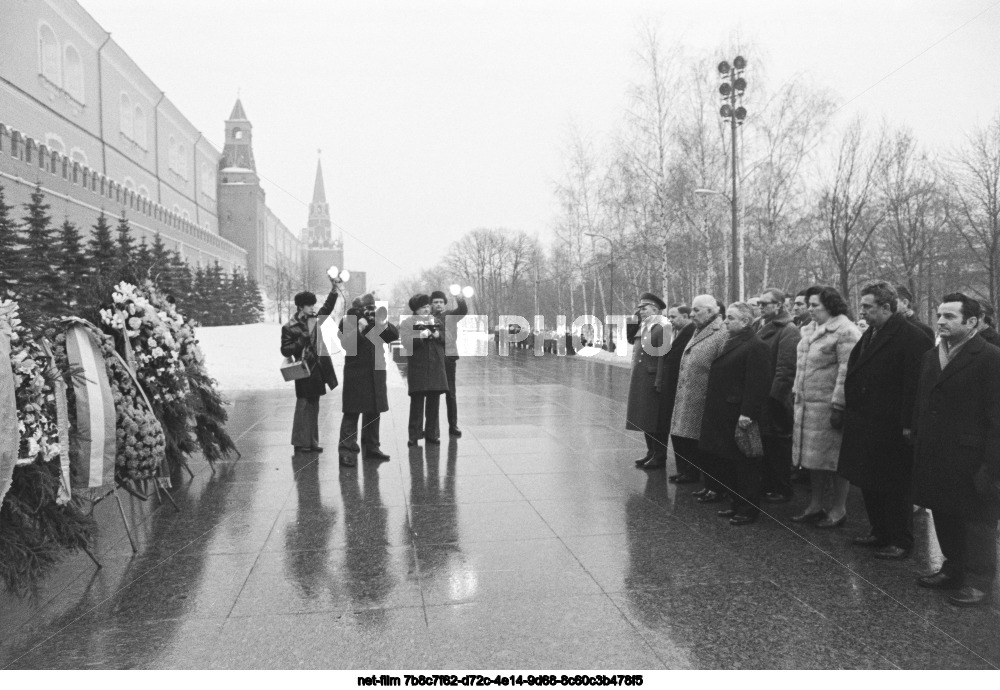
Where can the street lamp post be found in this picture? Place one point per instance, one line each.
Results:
(732, 88)
(611, 282)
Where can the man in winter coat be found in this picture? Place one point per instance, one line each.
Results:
(364, 378)
(879, 393)
(986, 329)
(449, 319)
(692, 385)
(956, 468)
(778, 418)
(738, 386)
(682, 328)
(904, 299)
(644, 411)
(423, 342)
(301, 339)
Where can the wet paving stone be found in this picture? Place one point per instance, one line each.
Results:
(532, 542)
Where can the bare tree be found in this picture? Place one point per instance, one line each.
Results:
(849, 209)
(974, 179)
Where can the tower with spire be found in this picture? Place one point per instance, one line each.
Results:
(323, 247)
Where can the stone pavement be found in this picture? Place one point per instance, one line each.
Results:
(529, 543)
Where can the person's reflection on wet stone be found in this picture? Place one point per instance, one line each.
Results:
(435, 512)
(310, 531)
(367, 573)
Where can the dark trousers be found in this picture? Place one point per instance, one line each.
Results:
(449, 398)
(369, 432)
(743, 478)
(424, 416)
(891, 516)
(690, 460)
(777, 465)
(656, 445)
(969, 548)
(305, 424)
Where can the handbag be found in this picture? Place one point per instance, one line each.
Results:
(749, 442)
(293, 371)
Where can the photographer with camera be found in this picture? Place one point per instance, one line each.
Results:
(449, 321)
(423, 342)
(301, 340)
(365, 393)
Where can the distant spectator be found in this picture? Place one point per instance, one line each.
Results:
(905, 302)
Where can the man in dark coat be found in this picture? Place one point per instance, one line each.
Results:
(778, 418)
(667, 374)
(644, 411)
(301, 339)
(987, 327)
(449, 319)
(956, 469)
(738, 385)
(423, 342)
(904, 301)
(364, 378)
(879, 391)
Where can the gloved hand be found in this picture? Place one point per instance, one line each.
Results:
(837, 419)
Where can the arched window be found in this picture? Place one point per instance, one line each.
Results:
(185, 215)
(143, 191)
(139, 124)
(125, 116)
(48, 54)
(172, 153)
(78, 155)
(181, 168)
(237, 133)
(73, 73)
(53, 142)
(129, 184)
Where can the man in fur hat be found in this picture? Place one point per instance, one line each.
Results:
(449, 320)
(423, 343)
(365, 393)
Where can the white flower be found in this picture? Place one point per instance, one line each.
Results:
(134, 323)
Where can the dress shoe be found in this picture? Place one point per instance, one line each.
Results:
(710, 497)
(655, 464)
(455, 431)
(687, 479)
(939, 580)
(376, 455)
(806, 518)
(727, 513)
(827, 523)
(740, 520)
(891, 552)
(412, 444)
(773, 497)
(643, 460)
(348, 461)
(968, 597)
(699, 493)
(870, 540)
(433, 441)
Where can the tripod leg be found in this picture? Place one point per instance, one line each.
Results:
(164, 492)
(128, 531)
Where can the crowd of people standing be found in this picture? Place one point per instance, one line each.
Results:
(750, 394)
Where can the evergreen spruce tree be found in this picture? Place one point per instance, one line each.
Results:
(8, 250)
(217, 304)
(181, 284)
(236, 296)
(72, 267)
(254, 303)
(101, 252)
(125, 252)
(37, 269)
(143, 261)
(197, 296)
(159, 266)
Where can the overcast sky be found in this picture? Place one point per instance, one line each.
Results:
(437, 117)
